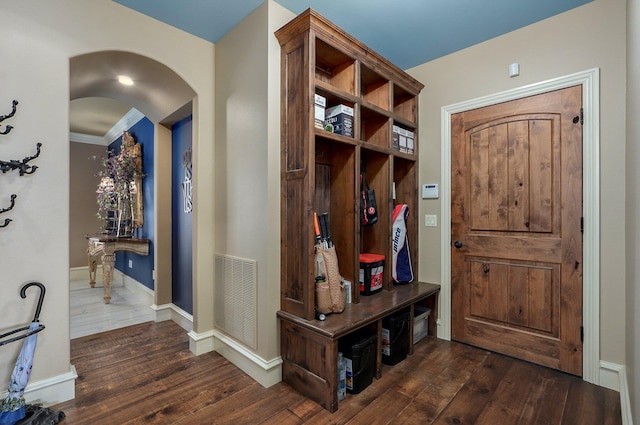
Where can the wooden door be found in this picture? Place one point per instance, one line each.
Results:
(516, 214)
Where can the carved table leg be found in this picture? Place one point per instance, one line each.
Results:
(108, 264)
(93, 265)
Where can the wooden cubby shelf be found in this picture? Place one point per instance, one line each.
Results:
(320, 172)
(309, 348)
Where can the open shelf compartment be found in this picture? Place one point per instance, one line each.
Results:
(375, 238)
(334, 67)
(404, 139)
(335, 184)
(374, 89)
(405, 180)
(375, 128)
(404, 104)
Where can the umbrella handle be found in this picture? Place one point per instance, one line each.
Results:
(23, 294)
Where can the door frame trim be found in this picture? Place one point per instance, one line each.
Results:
(590, 81)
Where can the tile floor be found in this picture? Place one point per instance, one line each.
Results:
(89, 314)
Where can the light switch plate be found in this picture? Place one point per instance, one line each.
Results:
(430, 220)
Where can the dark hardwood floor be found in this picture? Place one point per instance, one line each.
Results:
(145, 374)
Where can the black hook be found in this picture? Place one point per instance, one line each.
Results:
(22, 166)
(23, 294)
(9, 208)
(11, 205)
(8, 128)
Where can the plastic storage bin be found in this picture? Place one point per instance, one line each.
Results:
(420, 322)
(395, 337)
(371, 272)
(359, 351)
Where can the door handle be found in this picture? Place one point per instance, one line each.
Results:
(458, 244)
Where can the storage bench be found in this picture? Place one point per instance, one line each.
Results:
(309, 348)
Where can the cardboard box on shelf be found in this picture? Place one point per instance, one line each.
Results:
(402, 137)
(339, 120)
(403, 140)
(319, 111)
(396, 138)
(410, 141)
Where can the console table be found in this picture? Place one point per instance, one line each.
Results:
(106, 246)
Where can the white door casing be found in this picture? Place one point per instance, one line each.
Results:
(589, 80)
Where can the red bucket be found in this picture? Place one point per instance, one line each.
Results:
(371, 272)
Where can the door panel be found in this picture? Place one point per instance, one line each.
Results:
(516, 210)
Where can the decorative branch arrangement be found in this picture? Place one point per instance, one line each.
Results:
(22, 166)
(9, 115)
(119, 193)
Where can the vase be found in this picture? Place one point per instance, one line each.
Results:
(124, 224)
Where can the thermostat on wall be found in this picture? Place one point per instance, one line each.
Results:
(430, 191)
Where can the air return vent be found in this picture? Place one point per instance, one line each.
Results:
(235, 305)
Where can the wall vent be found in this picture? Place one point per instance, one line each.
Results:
(235, 298)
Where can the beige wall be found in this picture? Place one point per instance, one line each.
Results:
(633, 205)
(590, 36)
(238, 207)
(248, 158)
(38, 38)
(83, 182)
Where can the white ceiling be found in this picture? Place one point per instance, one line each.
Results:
(95, 116)
(99, 101)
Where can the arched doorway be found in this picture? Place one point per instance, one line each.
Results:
(164, 98)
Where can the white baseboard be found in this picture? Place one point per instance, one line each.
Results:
(50, 391)
(182, 318)
(614, 377)
(82, 273)
(266, 372)
(201, 343)
(132, 284)
(163, 312)
(174, 313)
(610, 375)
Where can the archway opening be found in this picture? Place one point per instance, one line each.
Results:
(158, 95)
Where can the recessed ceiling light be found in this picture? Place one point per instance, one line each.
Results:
(125, 80)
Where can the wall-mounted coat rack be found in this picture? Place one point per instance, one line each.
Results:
(22, 166)
(8, 128)
(9, 208)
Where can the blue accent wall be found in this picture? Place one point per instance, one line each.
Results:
(181, 232)
(142, 265)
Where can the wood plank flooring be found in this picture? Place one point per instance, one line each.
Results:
(145, 374)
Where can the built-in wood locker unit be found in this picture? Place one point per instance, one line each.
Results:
(320, 172)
